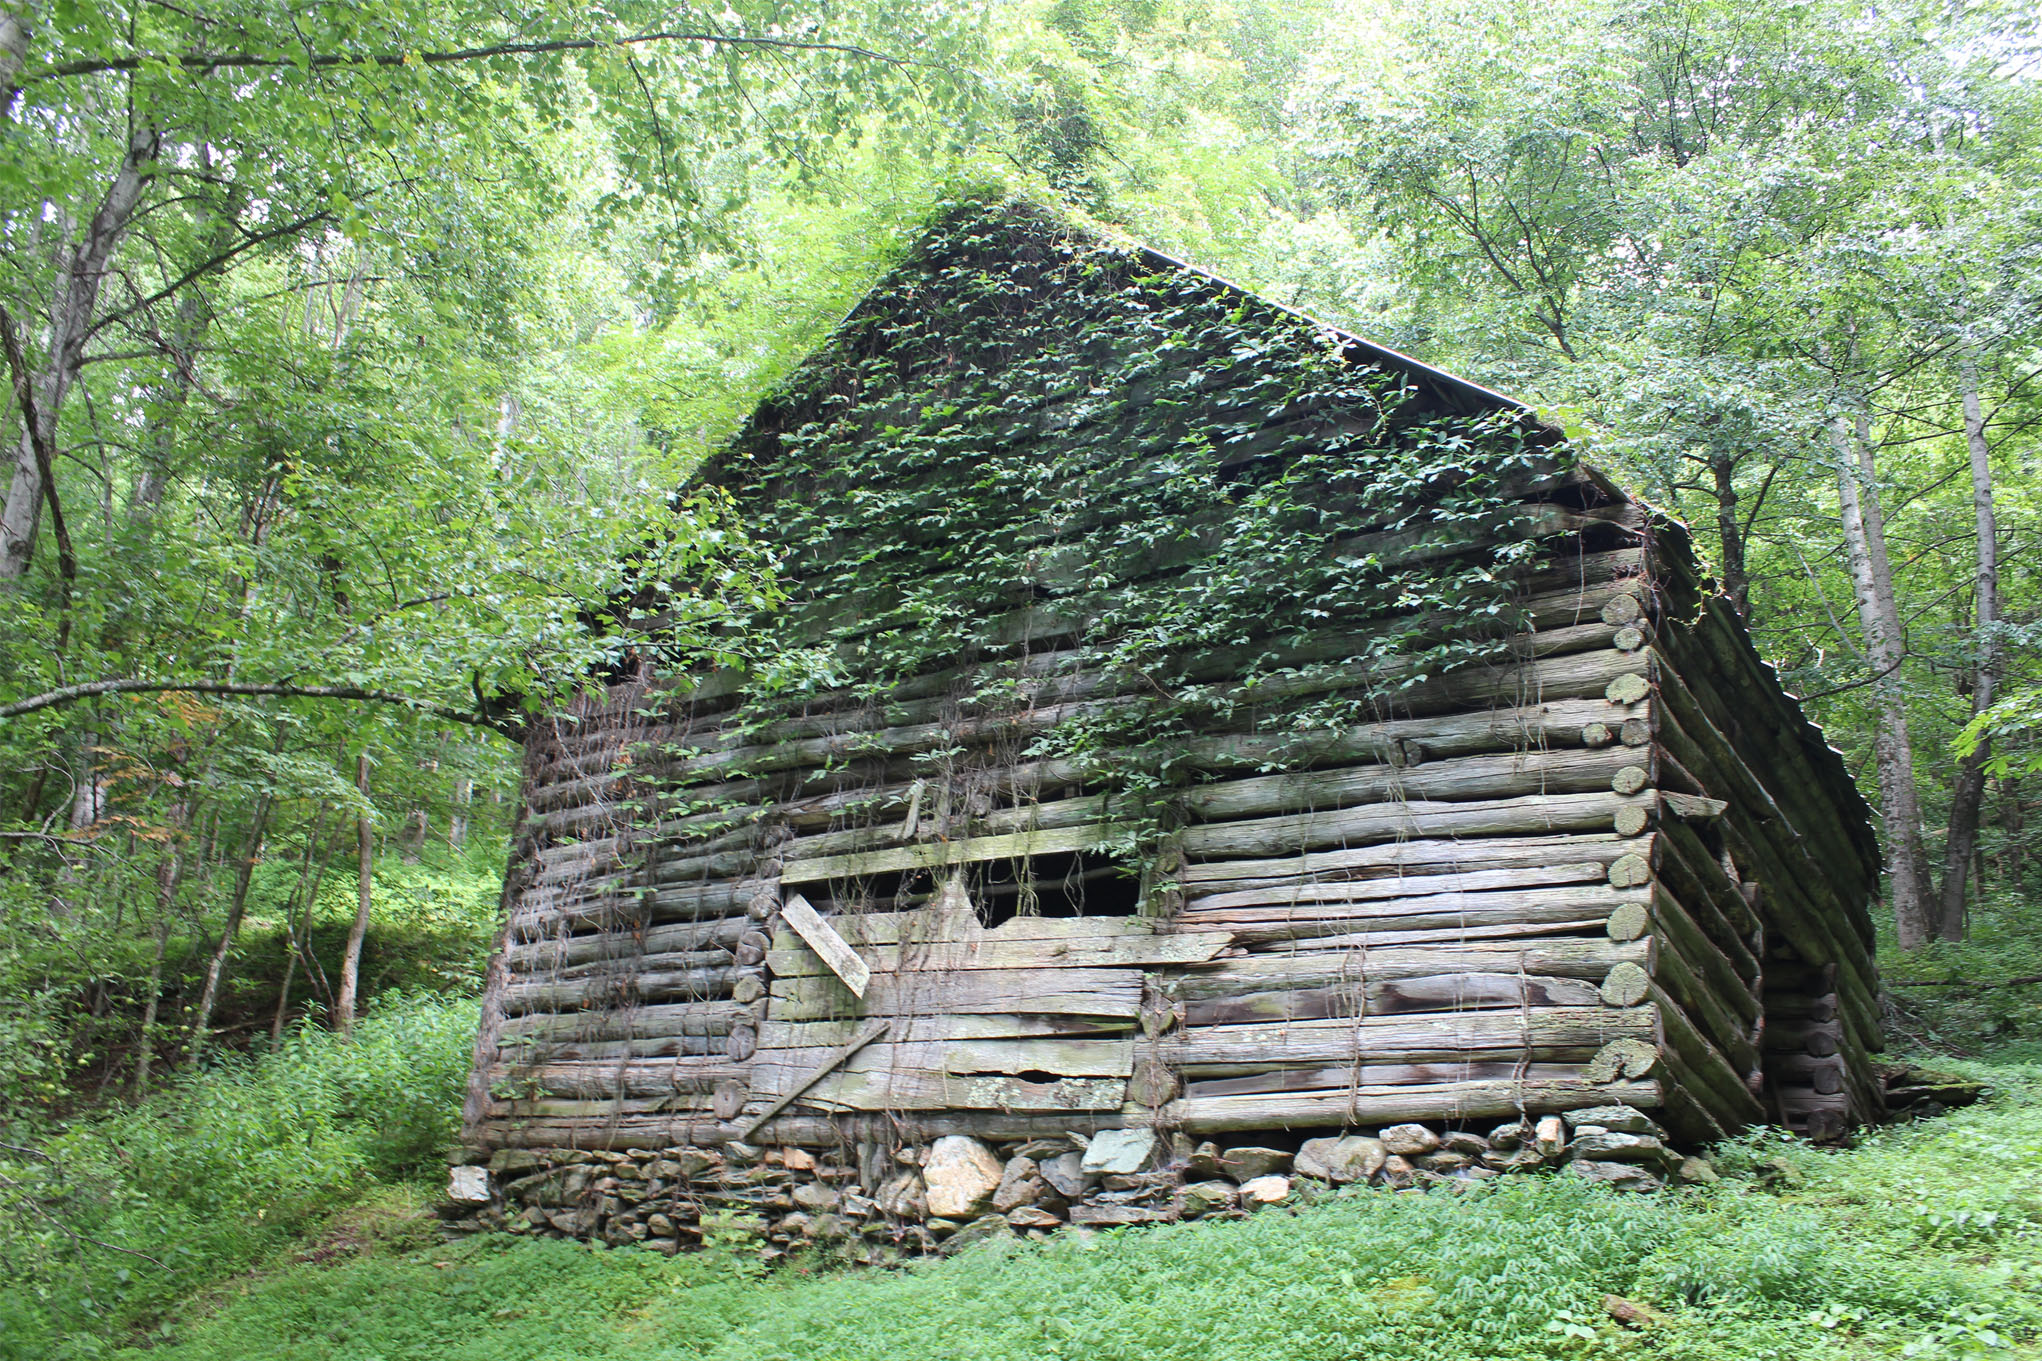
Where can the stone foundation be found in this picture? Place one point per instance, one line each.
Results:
(924, 1198)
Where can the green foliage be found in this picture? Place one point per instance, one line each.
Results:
(1048, 418)
(1924, 1241)
(108, 1221)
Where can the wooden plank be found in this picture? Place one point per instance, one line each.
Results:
(829, 947)
(867, 1033)
(916, 1089)
(939, 920)
(777, 1034)
(1079, 992)
(993, 951)
(773, 1069)
(936, 854)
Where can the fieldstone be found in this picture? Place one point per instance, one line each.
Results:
(742, 1153)
(1204, 1161)
(1609, 1146)
(561, 1186)
(1409, 1141)
(1696, 1172)
(1116, 1216)
(1250, 1164)
(1121, 1150)
(690, 1164)
(1066, 1174)
(1202, 1198)
(1352, 1157)
(795, 1225)
(797, 1160)
(1269, 1190)
(1043, 1149)
(980, 1230)
(1032, 1217)
(1622, 1176)
(1516, 1160)
(1460, 1141)
(1397, 1171)
(1019, 1185)
(509, 1162)
(1549, 1136)
(661, 1225)
(1442, 1161)
(857, 1206)
(1506, 1137)
(830, 1227)
(469, 1185)
(961, 1176)
(813, 1196)
(1622, 1119)
(903, 1197)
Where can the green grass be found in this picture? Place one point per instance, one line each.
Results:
(1924, 1241)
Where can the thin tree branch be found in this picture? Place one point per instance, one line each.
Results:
(71, 694)
(227, 61)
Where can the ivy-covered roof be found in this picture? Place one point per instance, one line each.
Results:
(1023, 415)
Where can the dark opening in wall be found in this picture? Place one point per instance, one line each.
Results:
(1081, 884)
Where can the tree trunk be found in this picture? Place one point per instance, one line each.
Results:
(81, 269)
(365, 853)
(14, 35)
(457, 820)
(297, 930)
(217, 965)
(1736, 579)
(1879, 616)
(1969, 792)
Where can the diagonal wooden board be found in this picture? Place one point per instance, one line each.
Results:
(872, 1030)
(827, 944)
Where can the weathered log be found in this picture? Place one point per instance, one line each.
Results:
(1445, 992)
(823, 1035)
(641, 1078)
(531, 953)
(1287, 1080)
(622, 988)
(1800, 902)
(1537, 1032)
(1291, 894)
(1408, 859)
(1590, 959)
(1698, 1066)
(612, 966)
(1711, 968)
(1577, 902)
(1538, 815)
(1697, 879)
(1450, 1101)
(644, 1022)
(1820, 1038)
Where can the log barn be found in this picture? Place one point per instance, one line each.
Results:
(1183, 716)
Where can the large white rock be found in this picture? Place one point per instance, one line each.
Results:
(961, 1175)
(1120, 1151)
(468, 1185)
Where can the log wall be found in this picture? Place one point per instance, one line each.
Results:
(1615, 865)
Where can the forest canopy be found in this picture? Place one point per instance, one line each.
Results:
(358, 358)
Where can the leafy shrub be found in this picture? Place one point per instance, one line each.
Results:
(116, 1217)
